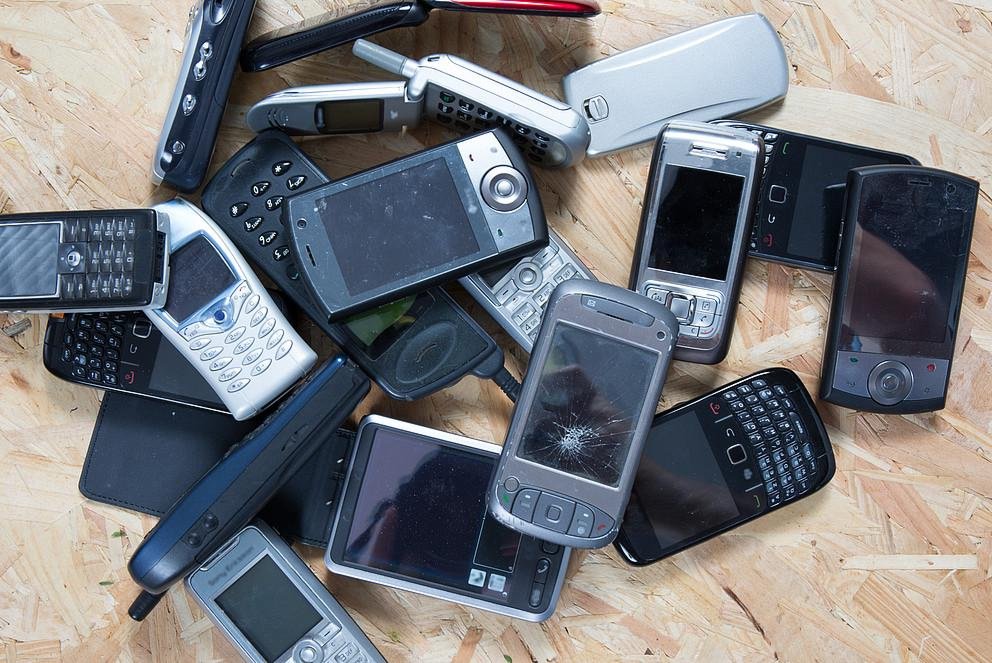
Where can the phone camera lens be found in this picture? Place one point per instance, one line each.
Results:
(662, 336)
(302, 223)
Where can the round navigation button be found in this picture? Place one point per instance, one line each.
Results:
(504, 188)
(890, 382)
(511, 484)
(308, 651)
(527, 276)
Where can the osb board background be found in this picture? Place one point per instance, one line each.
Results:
(890, 562)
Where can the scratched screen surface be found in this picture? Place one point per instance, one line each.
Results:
(589, 398)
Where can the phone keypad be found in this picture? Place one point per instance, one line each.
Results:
(778, 437)
(91, 347)
(96, 257)
(770, 139)
(466, 116)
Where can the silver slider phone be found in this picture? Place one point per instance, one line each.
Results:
(722, 69)
(692, 241)
(583, 415)
(440, 87)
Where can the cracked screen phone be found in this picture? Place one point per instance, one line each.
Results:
(590, 395)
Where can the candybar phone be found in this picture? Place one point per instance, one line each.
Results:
(801, 200)
(415, 222)
(214, 34)
(239, 485)
(100, 260)
(412, 347)
(591, 388)
(271, 606)
(402, 482)
(692, 240)
(335, 28)
(219, 316)
(897, 294)
(124, 352)
(721, 460)
(722, 69)
(516, 292)
(444, 88)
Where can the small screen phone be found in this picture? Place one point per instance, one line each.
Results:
(403, 480)
(797, 220)
(724, 459)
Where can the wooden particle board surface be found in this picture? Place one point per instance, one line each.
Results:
(890, 562)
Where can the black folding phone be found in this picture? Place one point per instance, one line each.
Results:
(411, 347)
(798, 217)
(723, 459)
(897, 295)
(368, 18)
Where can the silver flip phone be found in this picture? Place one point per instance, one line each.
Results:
(722, 69)
(271, 606)
(443, 88)
(584, 411)
(219, 316)
(692, 240)
(516, 292)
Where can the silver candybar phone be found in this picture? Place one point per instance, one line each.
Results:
(583, 415)
(515, 293)
(722, 69)
(443, 88)
(272, 608)
(692, 241)
(219, 316)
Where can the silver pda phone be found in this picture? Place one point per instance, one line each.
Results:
(692, 240)
(440, 87)
(584, 412)
(272, 608)
(516, 293)
(722, 69)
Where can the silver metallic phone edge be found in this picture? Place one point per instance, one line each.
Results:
(424, 590)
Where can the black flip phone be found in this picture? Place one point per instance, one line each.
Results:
(721, 460)
(797, 220)
(214, 35)
(897, 294)
(123, 352)
(411, 347)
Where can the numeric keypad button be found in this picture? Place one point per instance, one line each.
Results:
(252, 357)
(259, 316)
(237, 209)
(229, 374)
(284, 349)
(235, 334)
(281, 167)
(252, 303)
(261, 367)
(274, 339)
(294, 183)
(219, 364)
(210, 353)
(258, 188)
(266, 327)
(243, 346)
(238, 385)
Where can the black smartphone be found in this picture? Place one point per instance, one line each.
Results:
(721, 460)
(798, 217)
(411, 347)
(897, 294)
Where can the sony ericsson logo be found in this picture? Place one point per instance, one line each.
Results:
(231, 565)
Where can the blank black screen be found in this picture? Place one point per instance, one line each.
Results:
(29, 259)
(679, 486)
(588, 401)
(694, 229)
(197, 276)
(349, 116)
(397, 227)
(268, 608)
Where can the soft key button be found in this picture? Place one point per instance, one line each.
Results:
(582, 521)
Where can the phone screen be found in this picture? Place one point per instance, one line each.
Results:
(413, 221)
(349, 116)
(694, 229)
(680, 492)
(29, 258)
(411, 485)
(377, 330)
(197, 276)
(589, 398)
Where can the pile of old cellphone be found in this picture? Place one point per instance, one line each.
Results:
(164, 303)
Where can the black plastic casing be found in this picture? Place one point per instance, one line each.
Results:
(625, 543)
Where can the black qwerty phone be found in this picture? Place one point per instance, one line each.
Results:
(101, 260)
(797, 220)
(721, 460)
(411, 347)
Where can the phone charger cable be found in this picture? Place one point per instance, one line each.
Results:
(493, 368)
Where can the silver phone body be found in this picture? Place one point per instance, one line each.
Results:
(341, 108)
(516, 294)
(593, 385)
(333, 634)
(722, 69)
(371, 575)
(235, 337)
(704, 306)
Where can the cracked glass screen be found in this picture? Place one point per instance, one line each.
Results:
(588, 400)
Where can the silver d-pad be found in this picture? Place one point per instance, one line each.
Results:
(504, 188)
(890, 382)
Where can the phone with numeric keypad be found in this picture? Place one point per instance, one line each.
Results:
(219, 316)
(101, 260)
